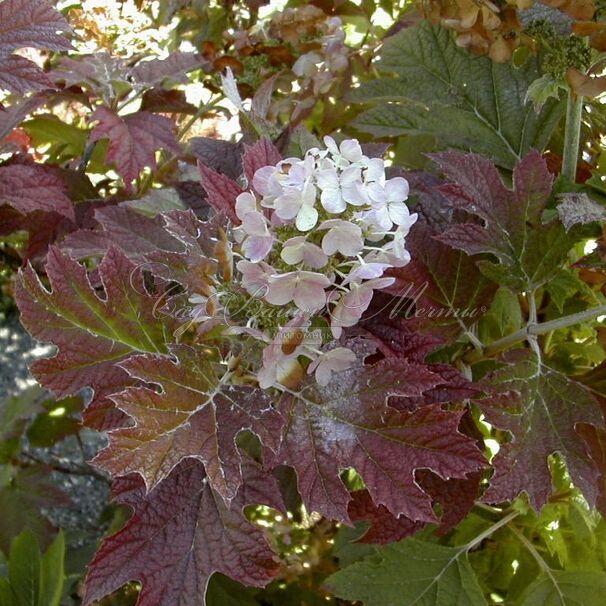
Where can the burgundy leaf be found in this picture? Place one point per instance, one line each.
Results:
(595, 438)
(15, 114)
(221, 192)
(92, 330)
(262, 153)
(511, 228)
(134, 140)
(224, 157)
(134, 233)
(348, 424)
(29, 188)
(20, 75)
(180, 534)
(23, 24)
(456, 496)
(541, 408)
(193, 416)
(383, 527)
(442, 288)
(167, 101)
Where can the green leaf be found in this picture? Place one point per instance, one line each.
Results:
(24, 569)
(562, 588)
(503, 317)
(467, 101)
(53, 573)
(410, 572)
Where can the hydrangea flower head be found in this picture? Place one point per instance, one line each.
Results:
(316, 236)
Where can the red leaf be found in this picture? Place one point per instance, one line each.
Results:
(192, 417)
(348, 424)
(383, 526)
(20, 75)
(262, 153)
(31, 23)
(221, 191)
(29, 188)
(23, 24)
(180, 534)
(442, 288)
(93, 331)
(510, 224)
(541, 408)
(134, 140)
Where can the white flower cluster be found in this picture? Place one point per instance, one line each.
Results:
(316, 236)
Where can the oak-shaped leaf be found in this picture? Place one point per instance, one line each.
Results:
(179, 535)
(441, 287)
(134, 140)
(193, 416)
(93, 329)
(28, 24)
(348, 424)
(509, 225)
(542, 409)
(30, 187)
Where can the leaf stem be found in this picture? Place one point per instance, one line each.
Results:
(491, 530)
(572, 135)
(537, 329)
(539, 559)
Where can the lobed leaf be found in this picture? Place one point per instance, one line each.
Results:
(193, 416)
(134, 140)
(529, 252)
(468, 102)
(92, 329)
(541, 408)
(349, 424)
(180, 534)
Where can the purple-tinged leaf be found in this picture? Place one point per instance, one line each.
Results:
(134, 140)
(20, 75)
(221, 192)
(193, 416)
(180, 534)
(541, 408)
(175, 66)
(15, 114)
(383, 527)
(528, 251)
(134, 233)
(92, 330)
(224, 157)
(30, 187)
(442, 288)
(262, 153)
(348, 424)
(31, 24)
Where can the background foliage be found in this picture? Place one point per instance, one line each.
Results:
(122, 124)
